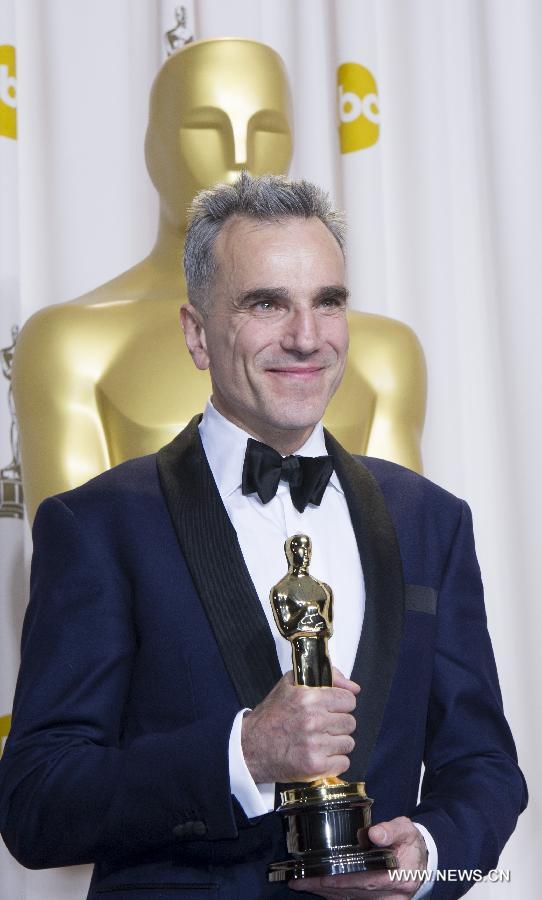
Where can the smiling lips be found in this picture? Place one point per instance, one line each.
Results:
(302, 372)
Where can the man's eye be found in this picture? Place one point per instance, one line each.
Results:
(264, 306)
(332, 302)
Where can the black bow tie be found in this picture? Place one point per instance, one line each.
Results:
(264, 467)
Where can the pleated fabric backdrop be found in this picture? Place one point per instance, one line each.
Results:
(437, 164)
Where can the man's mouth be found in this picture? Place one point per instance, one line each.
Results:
(300, 372)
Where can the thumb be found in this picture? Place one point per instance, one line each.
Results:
(378, 835)
(396, 831)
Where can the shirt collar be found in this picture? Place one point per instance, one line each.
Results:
(225, 444)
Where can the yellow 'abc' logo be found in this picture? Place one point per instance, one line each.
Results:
(358, 107)
(8, 92)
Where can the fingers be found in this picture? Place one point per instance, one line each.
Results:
(321, 755)
(340, 680)
(356, 885)
(299, 733)
(406, 841)
(334, 699)
(398, 831)
(341, 723)
(376, 884)
(337, 765)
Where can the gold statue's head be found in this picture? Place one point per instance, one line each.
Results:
(216, 107)
(298, 551)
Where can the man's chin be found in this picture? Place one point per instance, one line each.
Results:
(291, 420)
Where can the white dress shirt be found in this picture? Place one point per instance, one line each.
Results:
(262, 530)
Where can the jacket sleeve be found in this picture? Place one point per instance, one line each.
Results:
(472, 791)
(72, 788)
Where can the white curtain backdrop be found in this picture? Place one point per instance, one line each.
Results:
(443, 190)
(12, 570)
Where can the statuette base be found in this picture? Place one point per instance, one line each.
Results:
(326, 826)
(334, 864)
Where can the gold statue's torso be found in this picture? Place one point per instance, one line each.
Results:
(107, 377)
(302, 605)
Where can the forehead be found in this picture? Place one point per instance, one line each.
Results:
(279, 253)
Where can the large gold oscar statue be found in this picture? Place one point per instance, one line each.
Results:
(107, 377)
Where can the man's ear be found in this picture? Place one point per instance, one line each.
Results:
(192, 323)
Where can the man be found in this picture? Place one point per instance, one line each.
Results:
(151, 721)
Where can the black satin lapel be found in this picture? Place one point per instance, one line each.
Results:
(209, 543)
(378, 649)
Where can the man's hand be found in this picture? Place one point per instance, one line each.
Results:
(300, 733)
(409, 847)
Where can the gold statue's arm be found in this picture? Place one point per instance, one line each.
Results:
(54, 386)
(283, 613)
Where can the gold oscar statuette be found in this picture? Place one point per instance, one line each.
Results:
(326, 822)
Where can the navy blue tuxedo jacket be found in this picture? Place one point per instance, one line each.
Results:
(144, 636)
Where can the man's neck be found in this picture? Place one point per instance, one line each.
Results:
(285, 442)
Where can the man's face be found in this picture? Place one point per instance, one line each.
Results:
(275, 335)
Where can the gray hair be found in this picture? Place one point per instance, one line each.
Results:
(268, 198)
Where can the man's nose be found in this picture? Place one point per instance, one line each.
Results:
(301, 332)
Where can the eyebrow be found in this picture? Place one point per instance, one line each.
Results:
(246, 298)
(333, 290)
